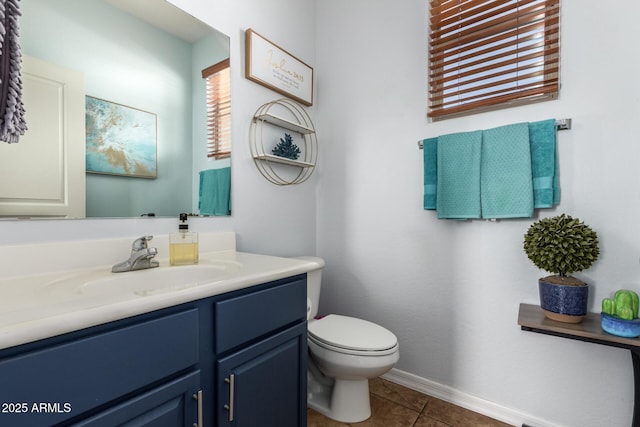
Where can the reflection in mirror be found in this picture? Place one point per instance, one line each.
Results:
(153, 65)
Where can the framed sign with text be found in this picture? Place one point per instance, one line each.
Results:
(273, 67)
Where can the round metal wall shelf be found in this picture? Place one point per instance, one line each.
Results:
(289, 115)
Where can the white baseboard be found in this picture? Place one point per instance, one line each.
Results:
(467, 401)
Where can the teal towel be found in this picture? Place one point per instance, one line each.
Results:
(430, 154)
(556, 183)
(544, 163)
(215, 192)
(506, 185)
(458, 174)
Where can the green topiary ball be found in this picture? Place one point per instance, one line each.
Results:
(561, 245)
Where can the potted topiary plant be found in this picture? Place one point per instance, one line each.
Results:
(562, 245)
(620, 314)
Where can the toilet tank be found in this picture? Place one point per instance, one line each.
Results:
(314, 282)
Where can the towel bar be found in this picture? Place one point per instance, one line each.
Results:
(561, 124)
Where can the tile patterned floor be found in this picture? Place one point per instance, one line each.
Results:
(393, 405)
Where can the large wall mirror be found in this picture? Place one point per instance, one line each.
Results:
(142, 56)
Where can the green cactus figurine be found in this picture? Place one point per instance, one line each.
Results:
(623, 305)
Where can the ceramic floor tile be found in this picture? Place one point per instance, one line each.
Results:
(396, 393)
(385, 413)
(393, 405)
(315, 419)
(425, 421)
(456, 416)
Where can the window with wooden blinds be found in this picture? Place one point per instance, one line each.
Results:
(489, 54)
(218, 80)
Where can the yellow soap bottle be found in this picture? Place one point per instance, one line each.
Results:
(183, 245)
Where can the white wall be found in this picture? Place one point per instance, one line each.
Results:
(450, 290)
(267, 219)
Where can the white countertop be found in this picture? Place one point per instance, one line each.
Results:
(46, 304)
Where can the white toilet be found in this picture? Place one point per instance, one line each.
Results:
(344, 352)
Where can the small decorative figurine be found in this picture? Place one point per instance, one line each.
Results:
(620, 314)
(286, 148)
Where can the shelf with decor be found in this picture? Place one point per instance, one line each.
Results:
(284, 123)
(283, 160)
(531, 318)
(283, 114)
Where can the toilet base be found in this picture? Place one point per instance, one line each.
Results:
(346, 401)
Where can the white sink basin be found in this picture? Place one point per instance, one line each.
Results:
(147, 282)
(78, 295)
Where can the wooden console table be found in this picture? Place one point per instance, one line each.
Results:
(532, 318)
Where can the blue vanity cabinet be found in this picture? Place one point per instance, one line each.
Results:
(168, 367)
(261, 371)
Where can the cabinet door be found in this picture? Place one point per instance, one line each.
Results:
(174, 404)
(264, 385)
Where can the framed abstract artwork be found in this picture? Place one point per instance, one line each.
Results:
(121, 140)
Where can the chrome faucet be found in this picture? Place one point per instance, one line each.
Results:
(141, 257)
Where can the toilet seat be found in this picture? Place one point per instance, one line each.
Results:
(352, 336)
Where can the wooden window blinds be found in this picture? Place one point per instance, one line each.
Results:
(218, 81)
(489, 54)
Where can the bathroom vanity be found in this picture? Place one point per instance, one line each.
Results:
(230, 352)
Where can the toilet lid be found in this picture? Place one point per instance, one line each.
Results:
(351, 333)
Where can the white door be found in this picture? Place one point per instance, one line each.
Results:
(44, 173)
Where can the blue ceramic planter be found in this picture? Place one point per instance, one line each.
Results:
(568, 302)
(620, 327)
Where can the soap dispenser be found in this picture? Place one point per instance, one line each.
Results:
(183, 245)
